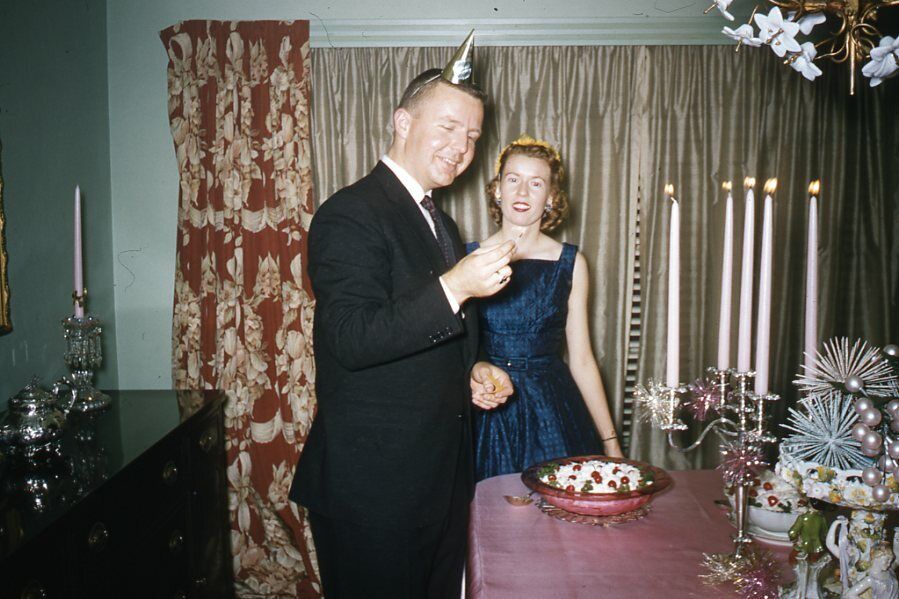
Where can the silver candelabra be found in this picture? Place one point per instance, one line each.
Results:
(740, 420)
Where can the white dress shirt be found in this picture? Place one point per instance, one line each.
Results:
(418, 193)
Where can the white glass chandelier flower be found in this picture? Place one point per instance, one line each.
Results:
(854, 38)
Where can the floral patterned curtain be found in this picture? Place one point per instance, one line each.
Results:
(238, 98)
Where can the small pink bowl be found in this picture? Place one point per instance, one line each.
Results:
(596, 504)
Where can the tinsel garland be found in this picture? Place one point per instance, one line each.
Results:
(755, 574)
(741, 463)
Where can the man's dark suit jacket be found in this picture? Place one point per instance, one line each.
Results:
(392, 363)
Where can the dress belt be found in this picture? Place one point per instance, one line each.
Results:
(523, 362)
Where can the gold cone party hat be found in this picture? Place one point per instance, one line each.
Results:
(458, 69)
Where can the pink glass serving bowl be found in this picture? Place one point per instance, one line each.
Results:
(596, 504)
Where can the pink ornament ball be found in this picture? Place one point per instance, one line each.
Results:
(870, 417)
(880, 493)
(872, 476)
(859, 431)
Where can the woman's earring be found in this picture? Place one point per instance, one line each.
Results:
(498, 201)
(548, 207)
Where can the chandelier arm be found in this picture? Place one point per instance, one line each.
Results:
(867, 28)
(866, 11)
(824, 6)
(830, 40)
(837, 55)
(836, 49)
(870, 10)
(800, 7)
(785, 4)
(843, 25)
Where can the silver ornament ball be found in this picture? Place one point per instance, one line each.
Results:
(880, 493)
(871, 476)
(860, 430)
(894, 425)
(872, 441)
(863, 404)
(892, 350)
(870, 417)
(893, 450)
(854, 384)
(892, 407)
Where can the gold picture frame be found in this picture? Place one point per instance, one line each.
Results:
(5, 322)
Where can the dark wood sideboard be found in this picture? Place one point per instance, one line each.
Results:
(131, 502)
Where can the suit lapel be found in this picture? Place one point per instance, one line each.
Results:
(456, 245)
(397, 193)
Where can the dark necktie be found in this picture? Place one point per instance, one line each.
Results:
(443, 240)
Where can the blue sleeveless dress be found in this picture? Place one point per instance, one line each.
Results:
(523, 332)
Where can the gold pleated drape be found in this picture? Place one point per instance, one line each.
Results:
(629, 119)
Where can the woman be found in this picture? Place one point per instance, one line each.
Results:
(555, 411)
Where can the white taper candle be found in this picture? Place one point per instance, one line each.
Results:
(744, 340)
(811, 278)
(727, 267)
(763, 329)
(673, 365)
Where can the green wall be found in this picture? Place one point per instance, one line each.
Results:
(54, 131)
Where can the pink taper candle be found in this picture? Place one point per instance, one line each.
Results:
(763, 329)
(673, 366)
(811, 278)
(744, 342)
(79, 276)
(727, 267)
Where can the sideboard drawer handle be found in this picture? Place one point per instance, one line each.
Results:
(176, 542)
(170, 473)
(34, 590)
(207, 441)
(98, 537)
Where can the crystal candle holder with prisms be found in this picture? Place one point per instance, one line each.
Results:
(83, 356)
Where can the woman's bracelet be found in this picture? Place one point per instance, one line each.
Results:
(615, 436)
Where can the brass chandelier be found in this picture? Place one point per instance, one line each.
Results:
(854, 38)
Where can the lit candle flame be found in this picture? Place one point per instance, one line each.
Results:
(814, 187)
(669, 190)
(748, 183)
(771, 185)
(726, 186)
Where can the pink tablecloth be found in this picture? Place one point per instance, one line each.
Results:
(522, 553)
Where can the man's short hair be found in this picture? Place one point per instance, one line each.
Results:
(420, 87)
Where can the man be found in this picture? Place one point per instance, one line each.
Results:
(386, 473)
